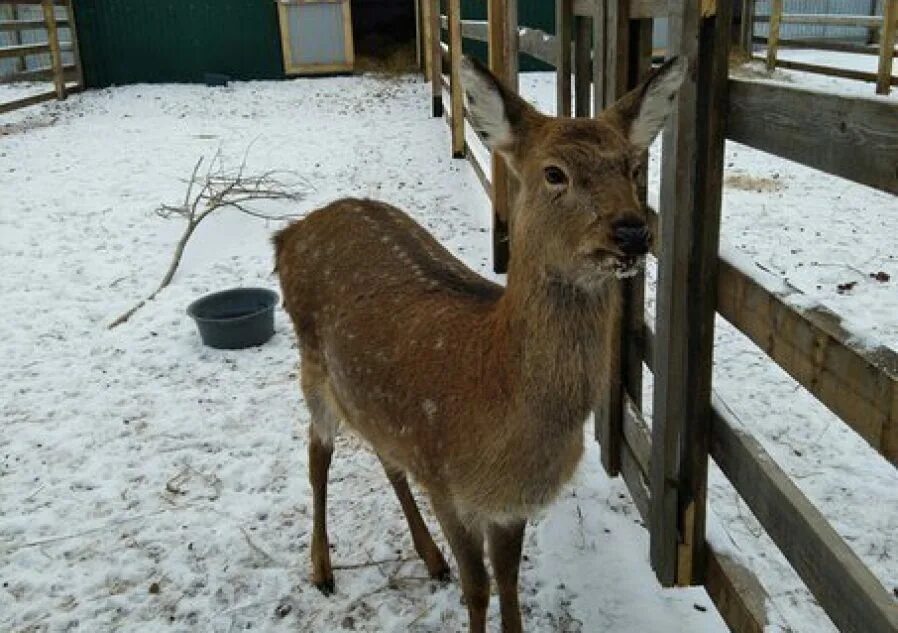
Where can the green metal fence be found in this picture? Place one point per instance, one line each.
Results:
(153, 41)
(133, 41)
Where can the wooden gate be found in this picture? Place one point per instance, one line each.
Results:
(606, 44)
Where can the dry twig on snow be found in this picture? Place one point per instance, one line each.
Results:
(216, 189)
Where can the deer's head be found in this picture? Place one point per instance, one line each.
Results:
(577, 217)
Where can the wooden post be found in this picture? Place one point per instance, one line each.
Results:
(773, 35)
(425, 49)
(55, 53)
(436, 59)
(76, 49)
(609, 414)
(564, 17)
(617, 51)
(582, 66)
(691, 183)
(503, 61)
(600, 44)
(632, 333)
(455, 88)
(887, 46)
(747, 28)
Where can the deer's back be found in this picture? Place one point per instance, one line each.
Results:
(366, 255)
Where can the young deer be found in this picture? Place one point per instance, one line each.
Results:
(479, 393)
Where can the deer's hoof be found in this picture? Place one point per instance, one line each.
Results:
(325, 586)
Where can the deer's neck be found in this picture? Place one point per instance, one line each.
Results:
(558, 335)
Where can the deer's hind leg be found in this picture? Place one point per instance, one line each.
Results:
(424, 545)
(325, 419)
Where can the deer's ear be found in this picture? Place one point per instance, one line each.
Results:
(498, 115)
(643, 110)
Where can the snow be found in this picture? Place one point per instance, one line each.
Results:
(150, 482)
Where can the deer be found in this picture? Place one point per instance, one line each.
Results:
(477, 392)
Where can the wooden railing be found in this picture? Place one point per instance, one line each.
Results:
(886, 25)
(665, 466)
(66, 78)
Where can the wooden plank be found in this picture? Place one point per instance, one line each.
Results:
(747, 27)
(500, 49)
(24, 49)
(642, 9)
(564, 17)
(829, 19)
(436, 60)
(538, 44)
(636, 481)
(479, 172)
(633, 313)
(9, 106)
(609, 414)
(511, 47)
(637, 435)
(76, 48)
(44, 73)
(849, 593)
(426, 52)
(737, 594)
(55, 53)
(887, 46)
(691, 185)
(831, 71)
(851, 137)
(599, 55)
(25, 25)
(456, 99)
(825, 45)
(617, 50)
(582, 66)
(533, 42)
(855, 382)
(776, 14)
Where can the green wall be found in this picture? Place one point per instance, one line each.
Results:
(133, 41)
(154, 41)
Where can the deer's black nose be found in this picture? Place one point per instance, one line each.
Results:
(632, 236)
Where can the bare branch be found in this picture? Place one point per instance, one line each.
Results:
(219, 189)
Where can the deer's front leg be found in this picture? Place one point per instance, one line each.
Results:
(505, 544)
(467, 545)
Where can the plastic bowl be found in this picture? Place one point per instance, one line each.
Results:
(235, 318)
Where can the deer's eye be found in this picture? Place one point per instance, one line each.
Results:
(555, 175)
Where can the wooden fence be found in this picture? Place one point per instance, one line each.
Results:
(665, 465)
(66, 78)
(886, 25)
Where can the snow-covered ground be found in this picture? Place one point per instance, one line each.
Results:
(149, 482)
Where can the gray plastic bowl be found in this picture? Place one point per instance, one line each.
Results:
(235, 318)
